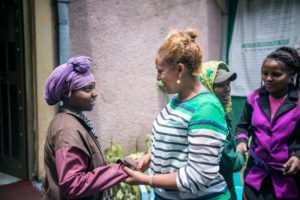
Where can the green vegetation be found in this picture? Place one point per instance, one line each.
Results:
(124, 191)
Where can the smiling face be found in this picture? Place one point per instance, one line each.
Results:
(275, 77)
(83, 99)
(167, 74)
(222, 91)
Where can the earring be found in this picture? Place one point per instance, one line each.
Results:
(291, 79)
(178, 81)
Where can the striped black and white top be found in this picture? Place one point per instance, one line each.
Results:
(187, 138)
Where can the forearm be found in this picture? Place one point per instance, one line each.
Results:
(76, 181)
(166, 181)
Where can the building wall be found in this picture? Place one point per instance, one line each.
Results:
(122, 38)
(44, 56)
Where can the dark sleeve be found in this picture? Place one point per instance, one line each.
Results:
(242, 128)
(73, 159)
(231, 159)
(76, 181)
(295, 141)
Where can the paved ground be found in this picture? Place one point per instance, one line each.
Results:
(12, 188)
(19, 190)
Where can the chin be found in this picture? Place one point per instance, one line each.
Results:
(170, 91)
(269, 90)
(225, 102)
(88, 109)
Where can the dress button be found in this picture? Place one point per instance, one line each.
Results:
(269, 132)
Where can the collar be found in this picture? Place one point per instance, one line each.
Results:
(290, 102)
(292, 94)
(81, 117)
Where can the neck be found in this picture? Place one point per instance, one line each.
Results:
(190, 91)
(71, 108)
(279, 94)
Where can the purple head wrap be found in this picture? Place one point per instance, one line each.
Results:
(73, 75)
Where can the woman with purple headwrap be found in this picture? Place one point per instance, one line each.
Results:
(75, 167)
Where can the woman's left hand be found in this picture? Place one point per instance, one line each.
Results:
(136, 177)
(292, 166)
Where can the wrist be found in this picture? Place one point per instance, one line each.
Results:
(150, 180)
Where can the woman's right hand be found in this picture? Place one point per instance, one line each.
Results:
(144, 162)
(242, 147)
(136, 177)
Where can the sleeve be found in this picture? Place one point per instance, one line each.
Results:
(231, 159)
(242, 128)
(74, 179)
(295, 144)
(206, 134)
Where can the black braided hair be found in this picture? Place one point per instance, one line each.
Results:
(289, 57)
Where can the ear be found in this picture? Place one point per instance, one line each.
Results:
(292, 73)
(180, 69)
(65, 93)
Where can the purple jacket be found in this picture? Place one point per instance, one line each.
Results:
(273, 141)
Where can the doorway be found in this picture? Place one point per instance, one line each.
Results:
(13, 134)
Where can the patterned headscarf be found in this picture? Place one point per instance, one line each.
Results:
(208, 76)
(72, 75)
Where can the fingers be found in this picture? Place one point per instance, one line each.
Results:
(128, 171)
(128, 180)
(142, 164)
(139, 165)
(242, 147)
(292, 166)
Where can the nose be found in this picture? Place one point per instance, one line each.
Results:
(227, 87)
(269, 78)
(158, 77)
(94, 93)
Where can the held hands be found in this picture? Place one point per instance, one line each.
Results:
(136, 177)
(242, 147)
(292, 166)
(128, 162)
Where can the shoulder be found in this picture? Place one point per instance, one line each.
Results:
(209, 113)
(65, 130)
(252, 97)
(65, 120)
(208, 104)
(66, 125)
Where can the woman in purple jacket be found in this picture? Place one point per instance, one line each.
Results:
(271, 117)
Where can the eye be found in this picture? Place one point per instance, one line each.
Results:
(220, 85)
(276, 74)
(88, 88)
(264, 73)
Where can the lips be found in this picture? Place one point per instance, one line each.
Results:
(226, 97)
(268, 85)
(92, 102)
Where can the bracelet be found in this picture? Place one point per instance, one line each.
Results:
(151, 180)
